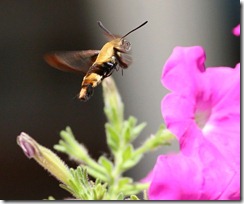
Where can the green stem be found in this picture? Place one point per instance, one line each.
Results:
(96, 174)
(116, 173)
(93, 168)
(133, 189)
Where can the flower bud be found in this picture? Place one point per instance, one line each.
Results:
(26, 143)
(45, 157)
(114, 108)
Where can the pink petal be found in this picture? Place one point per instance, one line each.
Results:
(223, 126)
(183, 68)
(175, 178)
(204, 175)
(223, 89)
(177, 113)
(179, 119)
(225, 134)
(237, 30)
(216, 170)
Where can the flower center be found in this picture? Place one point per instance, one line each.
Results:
(201, 118)
(202, 113)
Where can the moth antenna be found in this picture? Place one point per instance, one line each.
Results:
(105, 29)
(134, 29)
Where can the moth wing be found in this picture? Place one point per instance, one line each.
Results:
(72, 61)
(124, 59)
(110, 36)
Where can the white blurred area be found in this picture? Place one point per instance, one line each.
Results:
(171, 23)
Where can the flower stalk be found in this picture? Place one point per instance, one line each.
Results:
(109, 184)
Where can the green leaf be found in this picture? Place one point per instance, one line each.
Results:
(106, 163)
(120, 196)
(99, 191)
(97, 173)
(137, 130)
(132, 121)
(60, 147)
(127, 154)
(124, 181)
(134, 197)
(126, 132)
(50, 198)
(113, 139)
(132, 162)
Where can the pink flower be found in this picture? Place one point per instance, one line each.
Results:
(203, 111)
(237, 30)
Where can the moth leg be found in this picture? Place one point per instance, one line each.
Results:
(124, 60)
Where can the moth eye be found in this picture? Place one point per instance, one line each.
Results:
(126, 45)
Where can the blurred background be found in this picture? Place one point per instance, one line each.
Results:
(40, 100)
